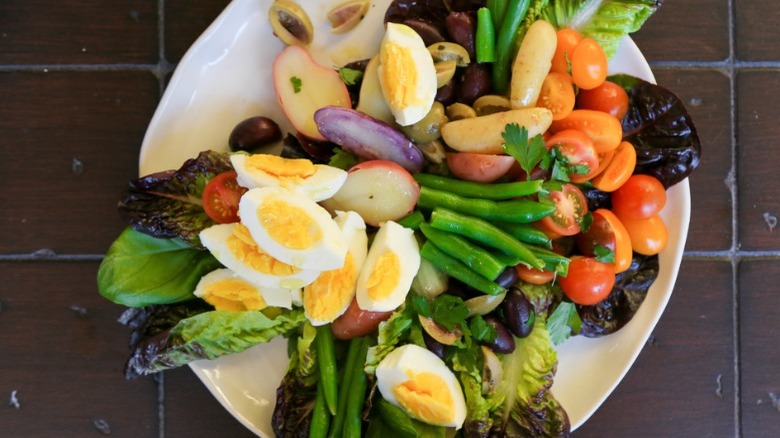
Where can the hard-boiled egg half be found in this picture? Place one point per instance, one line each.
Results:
(390, 266)
(416, 380)
(406, 74)
(292, 228)
(225, 290)
(317, 181)
(331, 293)
(233, 246)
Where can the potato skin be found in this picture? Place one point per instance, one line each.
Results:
(483, 134)
(533, 62)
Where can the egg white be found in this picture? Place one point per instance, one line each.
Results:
(215, 239)
(274, 297)
(400, 241)
(325, 253)
(324, 183)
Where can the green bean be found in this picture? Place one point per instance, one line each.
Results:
(523, 210)
(525, 233)
(552, 260)
(337, 424)
(484, 232)
(457, 269)
(396, 419)
(353, 422)
(505, 43)
(495, 192)
(497, 9)
(485, 45)
(476, 258)
(412, 220)
(326, 356)
(320, 416)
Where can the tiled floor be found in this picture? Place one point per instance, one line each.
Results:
(79, 81)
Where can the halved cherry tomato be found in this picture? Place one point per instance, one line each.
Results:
(605, 130)
(472, 166)
(557, 95)
(533, 275)
(607, 231)
(648, 235)
(619, 169)
(588, 281)
(570, 207)
(220, 198)
(567, 41)
(588, 64)
(578, 151)
(608, 97)
(640, 197)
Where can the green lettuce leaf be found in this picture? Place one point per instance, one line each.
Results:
(606, 21)
(140, 270)
(210, 335)
(391, 333)
(298, 389)
(467, 364)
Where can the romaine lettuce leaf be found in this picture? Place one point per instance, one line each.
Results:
(298, 389)
(467, 364)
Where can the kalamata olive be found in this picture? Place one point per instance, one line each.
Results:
(462, 29)
(504, 342)
(320, 151)
(254, 132)
(429, 32)
(474, 83)
(519, 314)
(433, 345)
(507, 278)
(446, 93)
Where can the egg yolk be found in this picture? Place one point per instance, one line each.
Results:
(399, 75)
(331, 292)
(233, 295)
(241, 245)
(290, 226)
(384, 277)
(286, 169)
(426, 397)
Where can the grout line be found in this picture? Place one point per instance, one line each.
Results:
(163, 68)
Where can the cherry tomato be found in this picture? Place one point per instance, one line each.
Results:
(578, 151)
(567, 41)
(639, 197)
(619, 169)
(557, 95)
(220, 198)
(588, 281)
(533, 275)
(588, 64)
(356, 322)
(605, 130)
(570, 207)
(607, 231)
(648, 235)
(608, 97)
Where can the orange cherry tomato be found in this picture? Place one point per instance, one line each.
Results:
(557, 95)
(588, 281)
(607, 231)
(604, 160)
(640, 197)
(608, 97)
(619, 169)
(567, 41)
(533, 275)
(605, 130)
(578, 151)
(648, 235)
(588, 64)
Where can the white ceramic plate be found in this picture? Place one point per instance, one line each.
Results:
(226, 77)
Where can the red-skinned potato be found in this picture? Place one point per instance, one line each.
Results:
(357, 322)
(479, 167)
(303, 86)
(378, 190)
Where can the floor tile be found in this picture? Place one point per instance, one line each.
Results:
(185, 21)
(757, 32)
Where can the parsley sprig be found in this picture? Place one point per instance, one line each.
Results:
(529, 153)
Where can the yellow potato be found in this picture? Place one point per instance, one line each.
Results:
(532, 64)
(483, 134)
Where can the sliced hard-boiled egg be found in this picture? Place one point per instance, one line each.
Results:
(233, 246)
(332, 292)
(292, 228)
(225, 290)
(420, 383)
(406, 73)
(390, 266)
(317, 181)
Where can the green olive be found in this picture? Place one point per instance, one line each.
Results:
(291, 23)
(458, 111)
(491, 103)
(428, 128)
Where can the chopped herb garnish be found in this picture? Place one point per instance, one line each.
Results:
(481, 331)
(342, 159)
(350, 76)
(297, 83)
(585, 222)
(528, 153)
(604, 254)
(563, 321)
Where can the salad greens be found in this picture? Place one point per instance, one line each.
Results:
(296, 393)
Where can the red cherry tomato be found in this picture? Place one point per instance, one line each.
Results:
(608, 97)
(557, 95)
(533, 275)
(641, 196)
(588, 281)
(567, 41)
(570, 207)
(588, 64)
(220, 198)
(578, 151)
